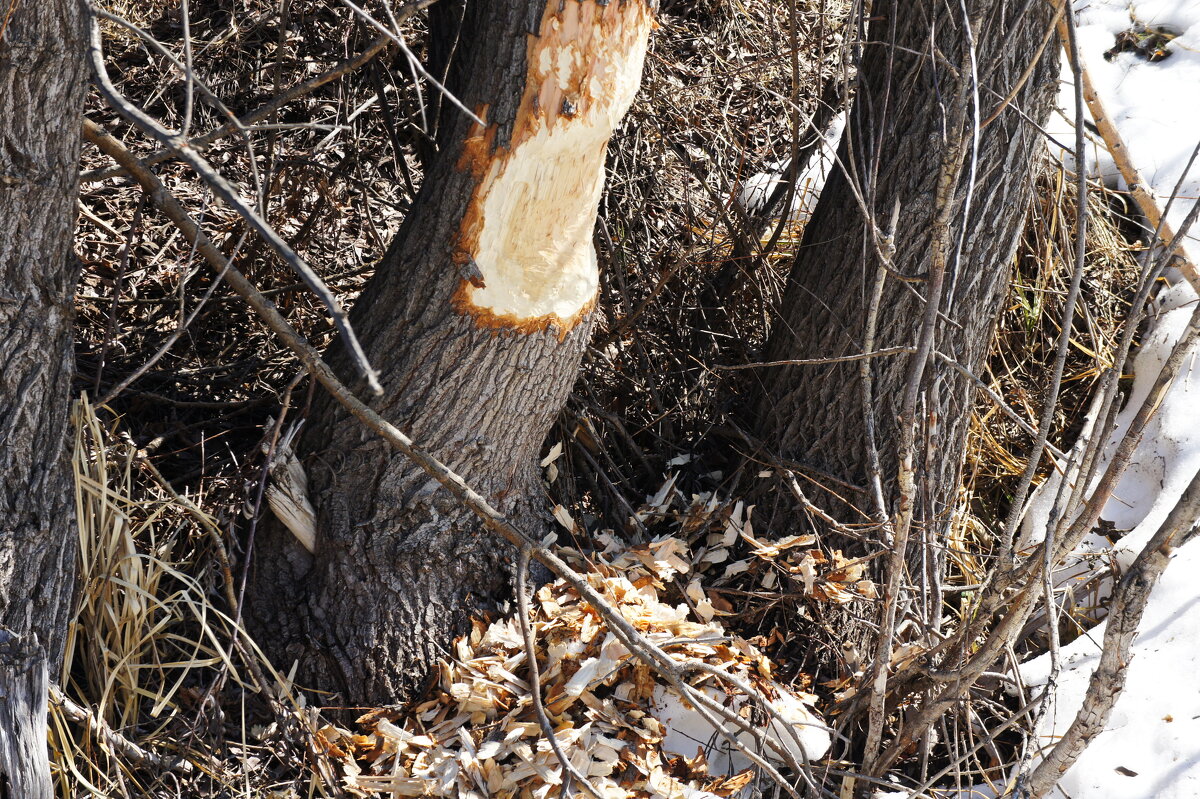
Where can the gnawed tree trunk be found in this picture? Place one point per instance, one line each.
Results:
(902, 124)
(477, 319)
(42, 78)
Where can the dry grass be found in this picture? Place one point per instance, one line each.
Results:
(152, 651)
(1024, 348)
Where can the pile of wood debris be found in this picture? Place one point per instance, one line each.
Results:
(615, 720)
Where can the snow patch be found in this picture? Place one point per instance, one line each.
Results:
(687, 730)
(759, 189)
(1155, 105)
(1150, 748)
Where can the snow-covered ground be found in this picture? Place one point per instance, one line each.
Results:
(1154, 104)
(1151, 746)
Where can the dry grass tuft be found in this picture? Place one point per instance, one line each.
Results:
(1024, 348)
(152, 652)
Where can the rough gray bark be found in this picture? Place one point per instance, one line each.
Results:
(398, 564)
(42, 79)
(898, 131)
(24, 764)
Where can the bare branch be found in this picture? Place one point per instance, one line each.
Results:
(535, 677)
(113, 739)
(413, 61)
(1128, 605)
(222, 189)
(1050, 404)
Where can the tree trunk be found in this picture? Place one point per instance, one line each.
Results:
(907, 119)
(477, 319)
(42, 78)
(24, 766)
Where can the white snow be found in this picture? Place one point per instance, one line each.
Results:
(1150, 748)
(1153, 735)
(1154, 104)
(1153, 731)
(688, 731)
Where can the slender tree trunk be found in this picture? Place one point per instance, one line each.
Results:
(477, 319)
(42, 78)
(911, 129)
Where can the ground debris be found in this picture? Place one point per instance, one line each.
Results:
(617, 722)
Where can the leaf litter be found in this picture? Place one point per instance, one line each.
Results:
(476, 733)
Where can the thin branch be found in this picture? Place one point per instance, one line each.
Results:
(862, 356)
(192, 83)
(413, 61)
(870, 328)
(163, 349)
(222, 189)
(951, 168)
(1028, 73)
(1050, 404)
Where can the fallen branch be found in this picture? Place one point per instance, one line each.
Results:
(535, 678)
(1138, 188)
(121, 745)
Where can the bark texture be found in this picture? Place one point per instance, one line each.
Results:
(398, 565)
(24, 764)
(900, 127)
(42, 80)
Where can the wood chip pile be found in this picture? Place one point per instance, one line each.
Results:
(615, 720)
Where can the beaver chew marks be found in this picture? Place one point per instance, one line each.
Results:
(528, 228)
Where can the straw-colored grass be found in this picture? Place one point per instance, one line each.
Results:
(1024, 345)
(151, 648)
